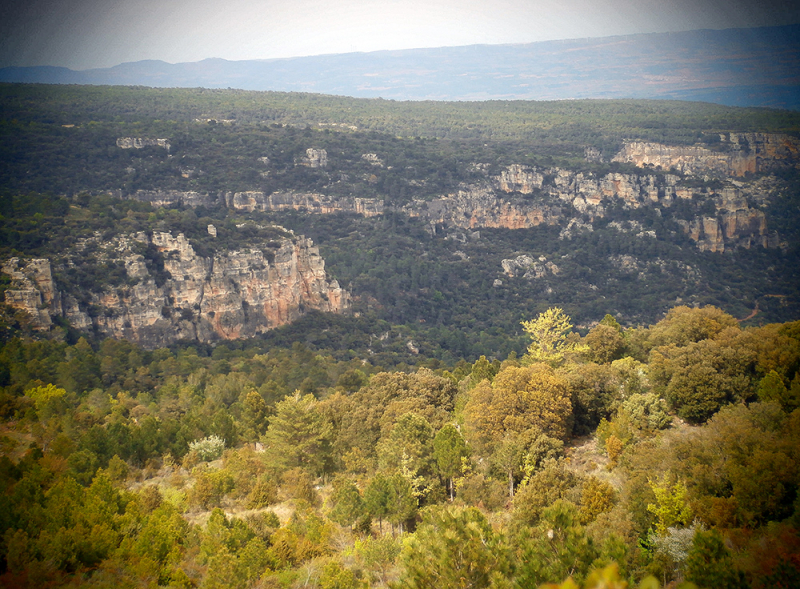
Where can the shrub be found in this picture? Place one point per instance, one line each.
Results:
(209, 448)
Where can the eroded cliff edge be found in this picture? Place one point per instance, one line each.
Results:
(171, 293)
(717, 173)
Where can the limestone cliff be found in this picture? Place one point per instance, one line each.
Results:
(737, 155)
(32, 290)
(142, 142)
(302, 201)
(521, 197)
(474, 207)
(230, 295)
(170, 198)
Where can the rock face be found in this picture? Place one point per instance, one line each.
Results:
(521, 196)
(302, 201)
(474, 207)
(231, 295)
(315, 158)
(529, 268)
(168, 198)
(32, 290)
(141, 142)
(743, 153)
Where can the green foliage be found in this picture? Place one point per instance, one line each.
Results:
(454, 547)
(699, 378)
(334, 576)
(558, 547)
(449, 452)
(346, 502)
(772, 389)
(263, 493)
(647, 412)
(377, 498)
(298, 435)
(377, 555)
(544, 488)
(597, 497)
(709, 564)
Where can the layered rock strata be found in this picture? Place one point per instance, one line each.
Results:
(32, 290)
(522, 197)
(741, 153)
(231, 295)
(302, 201)
(142, 142)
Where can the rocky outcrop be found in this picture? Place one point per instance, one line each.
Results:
(474, 207)
(735, 225)
(141, 142)
(529, 268)
(315, 158)
(32, 290)
(517, 178)
(743, 228)
(521, 197)
(738, 155)
(302, 201)
(553, 191)
(171, 198)
(233, 294)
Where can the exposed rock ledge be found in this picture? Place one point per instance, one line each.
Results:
(233, 295)
(302, 201)
(743, 153)
(142, 142)
(523, 196)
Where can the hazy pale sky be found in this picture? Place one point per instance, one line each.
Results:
(82, 34)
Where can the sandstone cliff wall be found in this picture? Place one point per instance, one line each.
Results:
(234, 294)
(302, 201)
(523, 196)
(141, 142)
(741, 153)
(32, 290)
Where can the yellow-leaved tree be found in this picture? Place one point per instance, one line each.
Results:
(550, 338)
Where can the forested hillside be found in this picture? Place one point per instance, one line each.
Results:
(284, 467)
(448, 284)
(284, 340)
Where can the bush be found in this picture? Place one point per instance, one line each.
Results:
(209, 448)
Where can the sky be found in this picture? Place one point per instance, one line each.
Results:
(84, 34)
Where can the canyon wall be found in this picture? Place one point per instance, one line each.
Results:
(302, 201)
(737, 154)
(556, 196)
(524, 196)
(233, 294)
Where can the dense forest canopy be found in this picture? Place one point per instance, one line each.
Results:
(625, 406)
(246, 466)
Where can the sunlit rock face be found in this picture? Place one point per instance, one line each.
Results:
(250, 201)
(736, 155)
(521, 196)
(32, 290)
(233, 294)
(142, 142)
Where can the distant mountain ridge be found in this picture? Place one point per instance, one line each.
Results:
(735, 67)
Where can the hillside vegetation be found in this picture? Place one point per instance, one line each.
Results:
(287, 468)
(601, 395)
